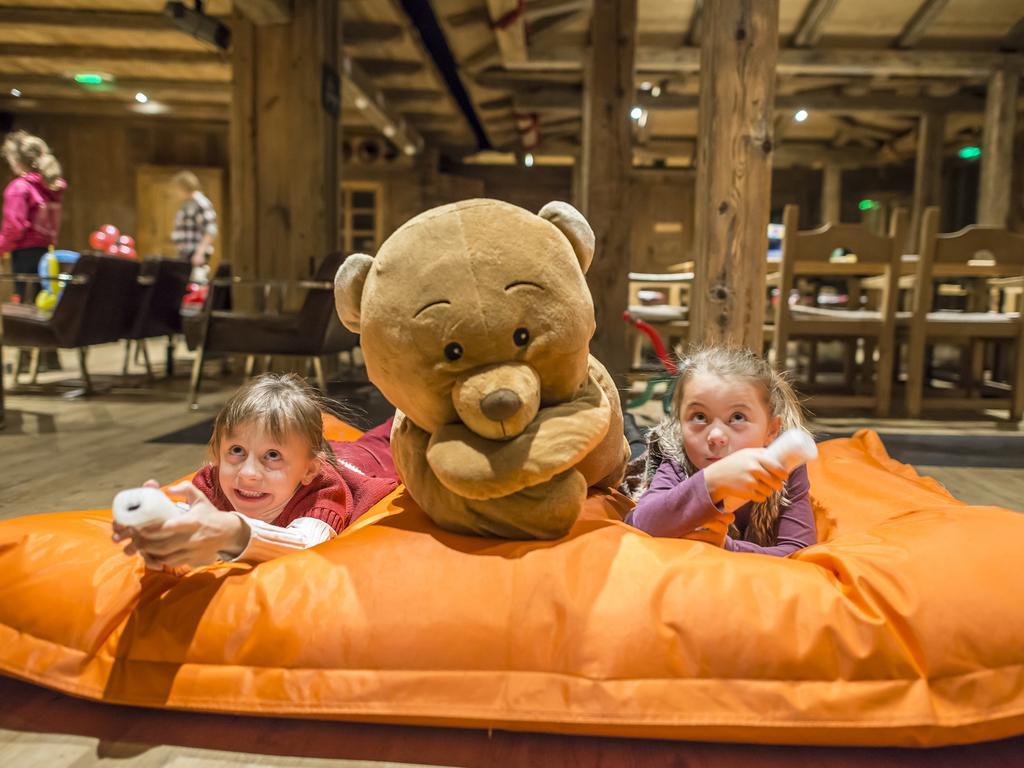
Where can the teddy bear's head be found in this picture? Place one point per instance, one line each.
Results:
(475, 312)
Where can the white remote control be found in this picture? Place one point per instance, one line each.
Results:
(793, 448)
(138, 507)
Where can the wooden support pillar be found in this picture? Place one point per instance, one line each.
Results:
(831, 193)
(997, 148)
(284, 143)
(734, 145)
(931, 141)
(605, 172)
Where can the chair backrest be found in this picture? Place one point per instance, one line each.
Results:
(819, 244)
(318, 306)
(972, 252)
(159, 311)
(973, 243)
(102, 309)
(872, 254)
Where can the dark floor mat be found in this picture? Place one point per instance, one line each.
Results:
(992, 451)
(195, 434)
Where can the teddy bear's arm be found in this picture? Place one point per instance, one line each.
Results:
(559, 438)
(543, 511)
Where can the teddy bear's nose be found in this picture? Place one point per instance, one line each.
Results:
(501, 404)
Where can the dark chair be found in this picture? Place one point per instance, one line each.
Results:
(158, 313)
(311, 332)
(96, 307)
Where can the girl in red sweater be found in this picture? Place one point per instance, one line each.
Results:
(274, 484)
(32, 205)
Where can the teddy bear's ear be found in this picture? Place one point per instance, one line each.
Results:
(574, 227)
(348, 289)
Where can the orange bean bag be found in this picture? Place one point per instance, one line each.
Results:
(905, 627)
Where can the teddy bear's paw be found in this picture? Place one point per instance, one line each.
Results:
(560, 437)
(544, 511)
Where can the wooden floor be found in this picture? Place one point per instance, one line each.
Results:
(60, 454)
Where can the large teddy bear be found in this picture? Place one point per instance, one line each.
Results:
(475, 320)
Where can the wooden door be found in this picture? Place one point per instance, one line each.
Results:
(157, 203)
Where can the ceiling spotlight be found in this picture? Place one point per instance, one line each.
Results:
(528, 160)
(15, 93)
(141, 97)
(362, 102)
(645, 85)
(389, 130)
(409, 149)
(635, 113)
(801, 115)
(656, 91)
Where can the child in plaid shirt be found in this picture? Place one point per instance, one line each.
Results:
(195, 226)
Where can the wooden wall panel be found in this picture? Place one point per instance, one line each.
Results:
(100, 157)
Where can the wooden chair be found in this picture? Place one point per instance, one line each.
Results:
(311, 332)
(96, 307)
(164, 282)
(670, 317)
(973, 252)
(809, 253)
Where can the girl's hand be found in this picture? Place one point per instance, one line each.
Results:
(194, 538)
(714, 530)
(750, 474)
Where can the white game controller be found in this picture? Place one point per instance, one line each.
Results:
(138, 507)
(791, 449)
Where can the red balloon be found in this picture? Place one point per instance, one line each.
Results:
(111, 230)
(112, 250)
(125, 251)
(126, 240)
(99, 240)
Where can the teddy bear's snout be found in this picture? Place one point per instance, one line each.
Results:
(499, 401)
(500, 405)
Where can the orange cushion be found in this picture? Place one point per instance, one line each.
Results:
(905, 627)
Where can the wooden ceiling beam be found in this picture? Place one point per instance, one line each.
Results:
(112, 108)
(694, 34)
(1014, 40)
(561, 97)
(508, 21)
(148, 85)
(542, 9)
(75, 18)
(374, 105)
(836, 103)
(794, 61)
(918, 24)
(360, 32)
(265, 12)
(790, 154)
(90, 54)
(812, 23)
(551, 25)
(387, 67)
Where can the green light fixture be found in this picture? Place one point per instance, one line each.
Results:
(89, 78)
(867, 205)
(969, 153)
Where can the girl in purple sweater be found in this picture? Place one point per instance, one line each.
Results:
(708, 475)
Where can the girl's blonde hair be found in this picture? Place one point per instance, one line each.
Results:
(281, 404)
(736, 363)
(187, 181)
(30, 153)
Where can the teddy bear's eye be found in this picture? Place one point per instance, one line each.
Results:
(453, 351)
(521, 337)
